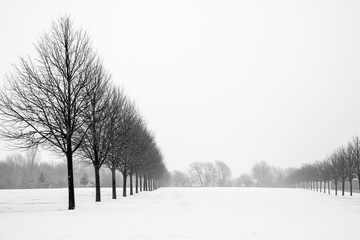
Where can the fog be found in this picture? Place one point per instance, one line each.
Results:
(236, 81)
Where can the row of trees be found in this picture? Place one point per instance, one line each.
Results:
(341, 166)
(64, 101)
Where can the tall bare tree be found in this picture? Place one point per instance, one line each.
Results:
(45, 99)
(99, 120)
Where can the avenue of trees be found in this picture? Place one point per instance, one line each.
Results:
(340, 168)
(64, 101)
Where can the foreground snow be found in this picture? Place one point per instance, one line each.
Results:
(180, 213)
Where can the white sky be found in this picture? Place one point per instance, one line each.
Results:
(238, 81)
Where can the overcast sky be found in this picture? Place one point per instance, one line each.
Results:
(237, 81)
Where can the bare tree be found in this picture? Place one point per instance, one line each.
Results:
(179, 179)
(262, 173)
(99, 121)
(335, 170)
(31, 162)
(45, 99)
(202, 174)
(223, 173)
(244, 180)
(326, 168)
(350, 164)
(342, 167)
(356, 157)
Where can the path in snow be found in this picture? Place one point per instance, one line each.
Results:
(180, 213)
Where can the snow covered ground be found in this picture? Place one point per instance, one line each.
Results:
(180, 213)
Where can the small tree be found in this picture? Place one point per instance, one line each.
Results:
(202, 174)
(84, 180)
(223, 174)
(179, 179)
(42, 179)
(262, 173)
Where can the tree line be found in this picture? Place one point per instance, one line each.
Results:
(218, 174)
(26, 171)
(63, 100)
(203, 174)
(342, 166)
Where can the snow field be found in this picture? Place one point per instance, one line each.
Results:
(179, 213)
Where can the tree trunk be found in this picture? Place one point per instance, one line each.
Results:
(343, 188)
(140, 183)
(131, 184)
(145, 183)
(113, 177)
(350, 187)
(136, 183)
(124, 183)
(324, 186)
(97, 183)
(336, 183)
(69, 158)
(320, 186)
(329, 187)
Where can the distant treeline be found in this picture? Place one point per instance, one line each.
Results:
(207, 174)
(19, 172)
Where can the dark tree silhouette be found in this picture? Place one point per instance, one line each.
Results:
(45, 99)
(122, 118)
(99, 121)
